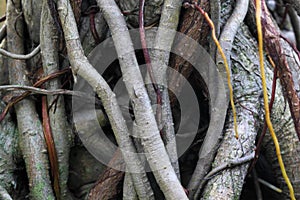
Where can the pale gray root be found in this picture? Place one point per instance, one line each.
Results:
(20, 56)
(4, 194)
(230, 164)
(247, 91)
(87, 126)
(269, 185)
(31, 137)
(129, 192)
(218, 109)
(58, 120)
(227, 36)
(82, 67)
(195, 184)
(214, 133)
(160, 55)
(153, 146)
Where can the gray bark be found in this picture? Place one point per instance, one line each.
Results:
(160, 59)
(86, 37)
(57, 115)
(32, 15)
(152, 11)
(4, 194)
(3, 66)
(129, 192)
(295, 4)
(241, 50)
(9, 150)
(150, 138)
(247, 92)
(31, 136)
(227, 36)
(81, 66)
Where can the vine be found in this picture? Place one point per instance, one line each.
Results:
(265, 94)
(213, 32)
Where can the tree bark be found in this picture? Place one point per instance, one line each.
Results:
(31, 138)
(219, 168)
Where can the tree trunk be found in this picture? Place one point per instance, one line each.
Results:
(57, 147)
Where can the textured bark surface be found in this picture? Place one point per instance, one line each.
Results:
(108, 184)
(3, 66)
(247, 92)
(295, 4)
(32, 16)
(31, 136)
(195, 29)
(150, 138)
(219, 146)
(272, 41)
(289, 144)
(165, 35)
(58, 120)
(8, 151)
(228, 33)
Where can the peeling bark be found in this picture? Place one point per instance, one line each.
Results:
(273, 46)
